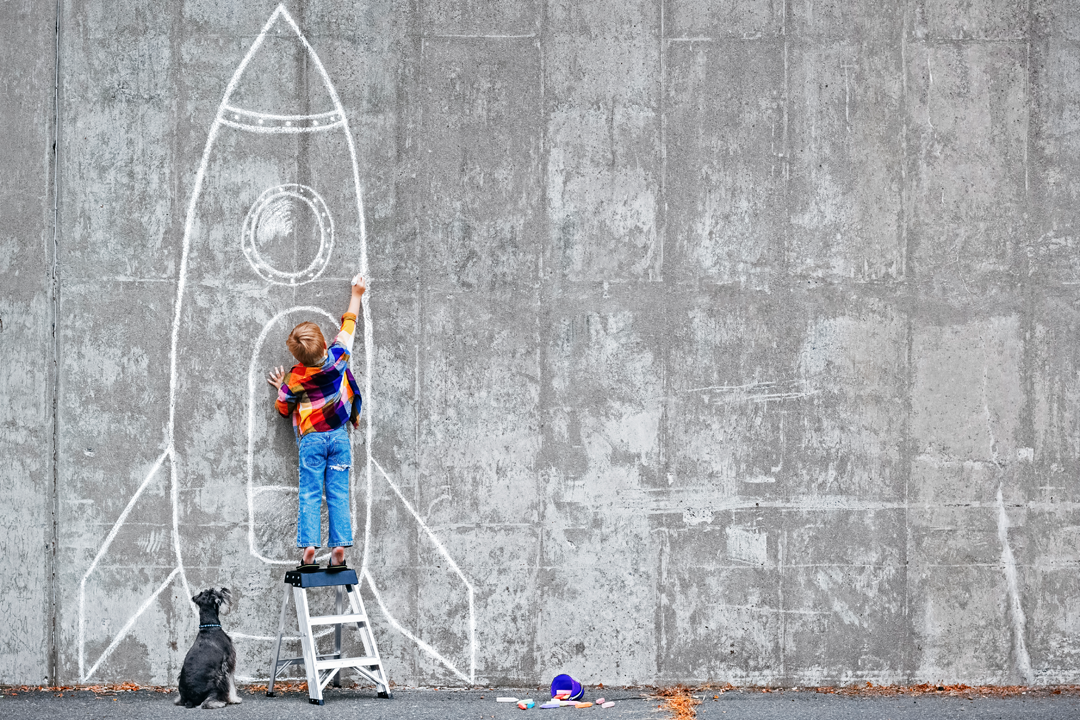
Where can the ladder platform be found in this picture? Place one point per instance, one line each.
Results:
(321, 578)
(337, 619)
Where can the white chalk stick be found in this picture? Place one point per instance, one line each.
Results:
(506, 699)
(608, 704)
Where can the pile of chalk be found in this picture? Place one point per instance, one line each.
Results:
(565, 692)
(560, 700)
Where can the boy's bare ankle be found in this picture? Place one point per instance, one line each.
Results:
(337, 555)
(309, 556)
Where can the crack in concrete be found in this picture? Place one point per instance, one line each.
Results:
(53, 502)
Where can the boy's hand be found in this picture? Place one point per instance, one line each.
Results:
(359, 287)
(276, 377)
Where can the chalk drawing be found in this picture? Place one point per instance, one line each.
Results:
(83, 673)
(755, 392)
(747, 544)
(289, 124)
(273, 214)
(453, 566)
(256, 403)
(1016, 610)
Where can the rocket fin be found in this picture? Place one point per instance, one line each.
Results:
(447, 596)
(134, 565)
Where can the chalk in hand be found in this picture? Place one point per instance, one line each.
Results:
(357, 278)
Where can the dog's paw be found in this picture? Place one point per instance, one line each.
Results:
(209, 704)
(179, 699)
(235, 700)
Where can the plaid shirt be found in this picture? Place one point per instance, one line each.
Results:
(324, 398)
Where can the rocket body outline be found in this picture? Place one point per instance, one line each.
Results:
(260, 123)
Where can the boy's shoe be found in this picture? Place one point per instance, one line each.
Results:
(308, 567)
(332, 566)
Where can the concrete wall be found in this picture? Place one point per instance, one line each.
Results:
(705, 341)
(27, 349)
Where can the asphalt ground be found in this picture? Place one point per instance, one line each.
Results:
(472, 704)
(800, 705)
(421, 704)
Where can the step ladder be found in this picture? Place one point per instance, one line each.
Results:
(321, 669)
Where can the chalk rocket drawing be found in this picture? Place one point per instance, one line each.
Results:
(276, 205)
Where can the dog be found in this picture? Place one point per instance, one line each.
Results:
(206, 678)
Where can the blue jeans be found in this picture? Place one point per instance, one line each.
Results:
(324, 464)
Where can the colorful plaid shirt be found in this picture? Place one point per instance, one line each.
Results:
(324, 398)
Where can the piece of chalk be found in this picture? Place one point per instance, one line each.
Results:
(561, 695)
(526, 704)
(600, 701)
(356, 280)
(506, 699)
(608, 704)
(566, 703)
(550, 706)
(582, 704)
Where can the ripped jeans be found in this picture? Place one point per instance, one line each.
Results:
(324, 463)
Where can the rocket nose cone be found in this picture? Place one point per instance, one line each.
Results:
(281, 75)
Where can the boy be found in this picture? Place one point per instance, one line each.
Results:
(321, 395)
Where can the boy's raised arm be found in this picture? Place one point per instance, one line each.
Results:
(348, 328)
(359, 287)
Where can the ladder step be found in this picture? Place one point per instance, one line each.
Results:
(287, 661)
(335, 619)
(346, 662)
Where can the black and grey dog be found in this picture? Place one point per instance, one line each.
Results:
(206, 678)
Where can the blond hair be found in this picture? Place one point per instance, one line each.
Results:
(306, 343)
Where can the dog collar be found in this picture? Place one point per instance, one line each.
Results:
(208, 626)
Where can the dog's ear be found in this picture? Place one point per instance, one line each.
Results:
(224, 601)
